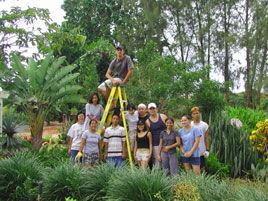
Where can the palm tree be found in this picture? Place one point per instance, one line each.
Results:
(40, 88)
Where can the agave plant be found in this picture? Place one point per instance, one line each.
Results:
(10, 124)
(39, 88)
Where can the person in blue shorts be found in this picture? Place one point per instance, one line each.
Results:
(190, 138)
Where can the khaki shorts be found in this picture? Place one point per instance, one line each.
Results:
(142, 155)
(108, 83)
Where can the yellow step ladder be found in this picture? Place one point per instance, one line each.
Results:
(116, 93)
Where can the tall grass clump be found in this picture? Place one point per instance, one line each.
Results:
(231, 145)
(18, 177)
(65, 181)
(201, 187)
(140, 185)
(99, 178)
(249, 193)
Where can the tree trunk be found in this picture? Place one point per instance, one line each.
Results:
(226, 59)
(248, 88)
(36, 140)
(261, 78)
(37, 120)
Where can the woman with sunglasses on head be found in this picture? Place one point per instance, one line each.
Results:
(190, 138)
(143, 145)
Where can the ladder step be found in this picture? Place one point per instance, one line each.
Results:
(115, 98)
(106, 125)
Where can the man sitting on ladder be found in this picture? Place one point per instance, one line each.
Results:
(124, 69)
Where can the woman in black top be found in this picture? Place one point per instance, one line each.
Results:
(143, 145)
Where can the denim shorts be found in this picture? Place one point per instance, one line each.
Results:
(191, 160)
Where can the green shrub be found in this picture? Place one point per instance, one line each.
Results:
(139, 185)
(50, 154)
(99, 179)
(65, 181)
(18, 175)
(213, 166)
(248, 117)
(209, 98)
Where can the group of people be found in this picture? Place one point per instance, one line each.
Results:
(153, 139)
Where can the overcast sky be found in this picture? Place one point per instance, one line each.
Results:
(54, 7)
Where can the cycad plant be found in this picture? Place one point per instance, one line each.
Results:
(39, 88)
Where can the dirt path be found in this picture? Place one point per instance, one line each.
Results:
(54, 130)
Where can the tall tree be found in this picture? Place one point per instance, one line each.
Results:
(225, 41)
(12, 31)
(96, 18)
(255, 42)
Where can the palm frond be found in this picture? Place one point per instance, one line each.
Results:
(63, 72)
(41, 72)
(18, 67)
(31, 69)
(53, 69)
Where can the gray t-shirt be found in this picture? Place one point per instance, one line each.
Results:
(132, 120)
(96, 111)
(121, 66)
(169, 139)
(92, 140)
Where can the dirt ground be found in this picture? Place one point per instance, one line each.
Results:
(54, 130)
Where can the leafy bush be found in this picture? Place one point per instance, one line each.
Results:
(18, 175)
(209, 98)
(248, 117)
(259, 138)
(231, 145)
(51, 153)
(139, 185)
(213, 166)
(65, 181)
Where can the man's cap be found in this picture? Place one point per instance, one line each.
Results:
(120, 47)
(151, 105)
(142, 105)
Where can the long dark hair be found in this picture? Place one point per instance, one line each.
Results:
(140, 122)
(91, 97)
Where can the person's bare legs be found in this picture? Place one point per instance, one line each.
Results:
(187, 167)
(196, 169)
(144, 164)
(139, 164)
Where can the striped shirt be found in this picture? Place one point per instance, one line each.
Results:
(114, 137)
